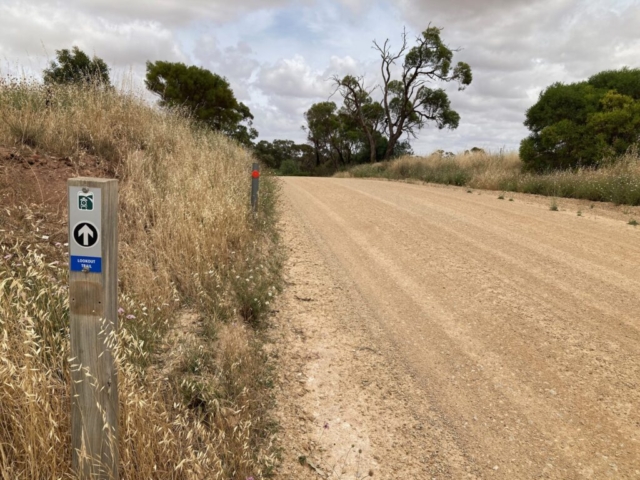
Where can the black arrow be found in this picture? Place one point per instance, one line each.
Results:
(85, 234)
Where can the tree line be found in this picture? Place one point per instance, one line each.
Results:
(572, 125)
(376, 122)
(204, 96)
(362, 128)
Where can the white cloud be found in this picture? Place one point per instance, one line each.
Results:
(288, 87)
(235, 62)
(181, 12)
(172, 12)
(36, 32)
(279, 55)
(293, 77)
(516, 49)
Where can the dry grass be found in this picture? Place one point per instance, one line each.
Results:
(617, 180)
(187, 239)
(459, 170)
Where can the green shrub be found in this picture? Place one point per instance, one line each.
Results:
(289, 167)
(579, 124)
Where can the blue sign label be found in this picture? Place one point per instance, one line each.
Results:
(86, 264)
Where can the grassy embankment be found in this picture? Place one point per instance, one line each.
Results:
(616, 181)
(196, 273)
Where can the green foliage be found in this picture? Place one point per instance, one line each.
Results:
(581, 124)
(204, 95)
(335, 134)
(322, 127)
(290, 167)
(474, 150)
(361, 115)
(75, 66)
(365, 130)
(402, 149)
(618, 123)
(409, 104)
(625, 81)
(281, 154)
(339, 140)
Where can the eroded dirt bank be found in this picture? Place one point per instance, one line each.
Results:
(431, 333)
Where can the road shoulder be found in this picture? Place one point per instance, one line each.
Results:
(346, 406)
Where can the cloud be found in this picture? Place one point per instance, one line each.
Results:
(279, 55)
(473, 11)
(235, 62)
(293, 77)
(172, 12)
(181, 12)
(343, 66)
(518, 48)
(288, 87)
(28, 31)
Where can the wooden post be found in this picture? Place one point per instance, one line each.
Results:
(93, 312)
(255, 184)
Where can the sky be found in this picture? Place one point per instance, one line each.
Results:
(279, 55)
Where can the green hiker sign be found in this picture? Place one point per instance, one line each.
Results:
(85, 201)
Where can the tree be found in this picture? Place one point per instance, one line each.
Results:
(74, 67)
(617, 125)
(264, 151)
(322, 123)
(204, 95)
(360, 106)
(582, 123)
(625, 81)
(341, 137)
(332, 133)
(408, 104)
(285, 155)
(403, 148)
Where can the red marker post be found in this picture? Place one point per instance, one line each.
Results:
(255, 184)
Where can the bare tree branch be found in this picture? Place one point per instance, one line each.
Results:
(406, 106)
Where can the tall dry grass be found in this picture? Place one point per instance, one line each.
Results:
(617, 180)
(187, 240)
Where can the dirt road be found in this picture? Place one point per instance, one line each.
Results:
(457, 335)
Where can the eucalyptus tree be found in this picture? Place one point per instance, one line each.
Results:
(408, 102)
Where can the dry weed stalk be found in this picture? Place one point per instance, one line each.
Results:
(617, 180)
(186, 238)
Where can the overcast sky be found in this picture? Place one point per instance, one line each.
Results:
(278, 55)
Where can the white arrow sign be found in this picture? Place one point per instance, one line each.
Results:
(85, 234)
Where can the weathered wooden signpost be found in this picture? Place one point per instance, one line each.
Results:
(255, 184)
(93, 305)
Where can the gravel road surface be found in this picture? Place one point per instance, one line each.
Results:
(429, 332)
